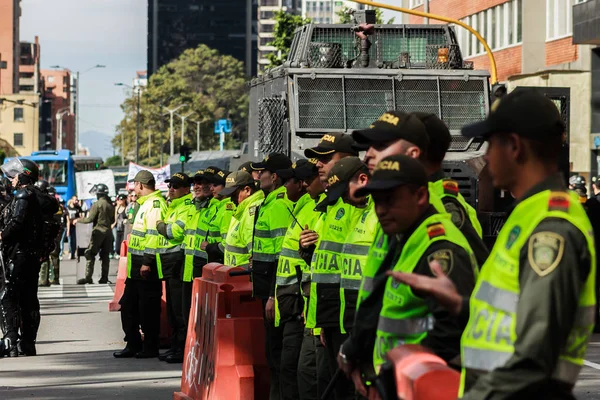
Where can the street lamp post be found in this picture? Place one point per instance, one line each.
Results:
(171, 112)
(137, 124)
(59, 126)
(77, 74)
(197, 135)
(183, 118)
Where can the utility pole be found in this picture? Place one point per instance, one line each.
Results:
(183, 118)
(172, 143)
(197, 135)
(137, 127)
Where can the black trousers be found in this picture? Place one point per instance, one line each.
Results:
(19, 304)
(344, 388)
(273, 353)
(313, 369)
(290, 342)
(140, 307)
(175, 312)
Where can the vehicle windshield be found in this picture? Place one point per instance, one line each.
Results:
(55, 172)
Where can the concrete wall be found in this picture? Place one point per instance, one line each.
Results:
(580, 110)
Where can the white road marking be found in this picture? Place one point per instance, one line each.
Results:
(591, 364)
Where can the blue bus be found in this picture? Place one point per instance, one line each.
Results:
(58, 167)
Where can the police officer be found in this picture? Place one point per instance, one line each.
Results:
(171, 258)
(535, 297)
(219, 224)
(274, 216)
(426, 137)
(140, 304)
(247, 166)
(247, 198)
(400, 191)
(21, 235)
(201, 190)
(51, 264)
(299, 352)
(102, 215)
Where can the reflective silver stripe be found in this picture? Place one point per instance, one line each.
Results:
(485, 360)
(170, 231)
(326, 278)
(356, 249)
(497, 298)
(201, 254)
(169, 250)
(224, 236)
(200, 232)
(138, 233)
(189, 252)
(135, 251)
(181, 224)
(264, 257)
(350, 284)
(214, 234)
(220, 245)
(411, 326)
(273, 233)
(151, 231)
(368, 284)
(289, 253)
(305, 277)
(566, 371)
(286, 280)
(586, 315)
(150, 251)
(236, 249)
(331, 246)
(190, 232)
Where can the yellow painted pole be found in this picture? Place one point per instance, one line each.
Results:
(493, 68)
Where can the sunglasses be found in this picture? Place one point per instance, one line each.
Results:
(174, 186)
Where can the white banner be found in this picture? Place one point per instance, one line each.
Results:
(160, 175)
(86, 181)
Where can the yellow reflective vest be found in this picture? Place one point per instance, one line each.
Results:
(238, 244)
(144, 239)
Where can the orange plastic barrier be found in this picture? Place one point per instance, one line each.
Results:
(121, 276)
(421, 375)
(165, 329)
(224, 351)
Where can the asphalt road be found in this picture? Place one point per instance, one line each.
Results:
(78, 336)
(75, 344)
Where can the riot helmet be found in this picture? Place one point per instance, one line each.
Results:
(43, 185)
(99, 189)
(27, 171)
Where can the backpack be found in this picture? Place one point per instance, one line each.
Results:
(50, 225)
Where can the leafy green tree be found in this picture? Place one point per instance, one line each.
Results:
(113, 161)
(346, 18)
(285, 26)
(211, 84)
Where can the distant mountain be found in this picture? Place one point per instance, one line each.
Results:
(97, 142)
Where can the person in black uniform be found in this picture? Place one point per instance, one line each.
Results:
(21, 235)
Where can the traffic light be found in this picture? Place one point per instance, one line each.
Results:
(185, 153)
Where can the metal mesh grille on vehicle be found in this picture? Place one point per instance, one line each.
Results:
(272, 125)
(320, 103)
(414, 41)
(335, 103)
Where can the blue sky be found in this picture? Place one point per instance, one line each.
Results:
(79, 34)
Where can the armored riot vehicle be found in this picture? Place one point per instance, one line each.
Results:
(343, 77)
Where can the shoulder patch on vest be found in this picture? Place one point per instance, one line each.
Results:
(444, 257)
(558, 201)
(229, 206)
(340, 213)
(188, 202)
(156, 203)
(435, 230)
(456, 213)
(252, 210)
(450, 187)
(513, 236)
(546, 250)
(280, 195)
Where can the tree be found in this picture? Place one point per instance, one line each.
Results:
(211, 84)
(285, 26)
(113, 161)
(346, 18)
